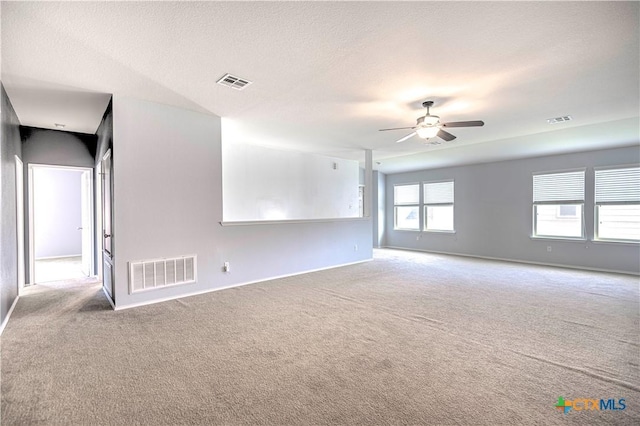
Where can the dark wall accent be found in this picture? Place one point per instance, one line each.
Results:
(104, 134)
(46, 146)
(9, 147)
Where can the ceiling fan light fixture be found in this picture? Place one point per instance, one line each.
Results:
(427, 132)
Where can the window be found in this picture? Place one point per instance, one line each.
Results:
(558, 204)
(438, 206)
(618, 204)
(406, 200)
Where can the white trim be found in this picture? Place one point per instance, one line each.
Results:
(6, 319)
(59, 257)
(555, 265)
(552, 238)
(611, 241)
(195, 293)
(287, 221)
(20, 225)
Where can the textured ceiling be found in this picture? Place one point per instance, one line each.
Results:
(326, 76)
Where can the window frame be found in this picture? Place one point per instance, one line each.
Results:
(558, 202)
(426, 205)
(597, 204)
(405, 204)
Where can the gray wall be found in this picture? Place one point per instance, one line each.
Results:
(57, 210)
(10, 146)
(168, 202)
(493, 213)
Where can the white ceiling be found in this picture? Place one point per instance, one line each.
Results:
(327, 75)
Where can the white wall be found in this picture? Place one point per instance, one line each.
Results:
(493, 213)
(262, 183)
(57, 212)
(379, 209)
(168, 202)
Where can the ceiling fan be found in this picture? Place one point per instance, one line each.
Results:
(430, 126)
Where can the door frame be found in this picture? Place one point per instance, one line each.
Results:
(31, 168)
(20, 222)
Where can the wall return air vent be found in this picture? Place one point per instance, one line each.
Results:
(233, 82)
(147, 275)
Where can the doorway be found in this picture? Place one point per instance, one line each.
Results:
(60, 223)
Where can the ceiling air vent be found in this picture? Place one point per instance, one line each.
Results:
(559, 119)
(233, 82)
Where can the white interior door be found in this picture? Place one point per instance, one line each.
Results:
(20, 221)
(107, 237)
(87, 220)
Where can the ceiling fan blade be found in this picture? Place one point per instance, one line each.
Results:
(476, 123)
(397, 128)
(406, 137)
(445, 135)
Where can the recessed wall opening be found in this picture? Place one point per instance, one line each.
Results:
(61, 223)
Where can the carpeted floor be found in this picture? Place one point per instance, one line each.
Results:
(61, 268)
(410, 338)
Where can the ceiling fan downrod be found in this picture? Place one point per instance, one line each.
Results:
(427, 105)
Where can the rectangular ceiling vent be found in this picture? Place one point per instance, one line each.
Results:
(559, 119)
(233, 82)
(147, 275)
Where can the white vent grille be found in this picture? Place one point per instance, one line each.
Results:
(157, 273)
(559, 119)
(233, 82)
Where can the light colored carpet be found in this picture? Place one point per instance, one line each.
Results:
(410, 338)
(58, 269)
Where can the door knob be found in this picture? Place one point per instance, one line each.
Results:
(107, 235)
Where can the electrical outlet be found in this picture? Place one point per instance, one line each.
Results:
(549, 248)
(355, 247)
(226, 267)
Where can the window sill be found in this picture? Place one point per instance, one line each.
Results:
(575, 239)
(405, 229)
(287, 221)
(432, 231)
(629, 242)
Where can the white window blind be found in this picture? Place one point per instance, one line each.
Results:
(438, 193)
(406, 194)
(618, 185)
(558, 187)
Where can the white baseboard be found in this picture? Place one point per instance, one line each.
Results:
(6, 320)
(58, 257)
(529, 262)
(195, 293)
